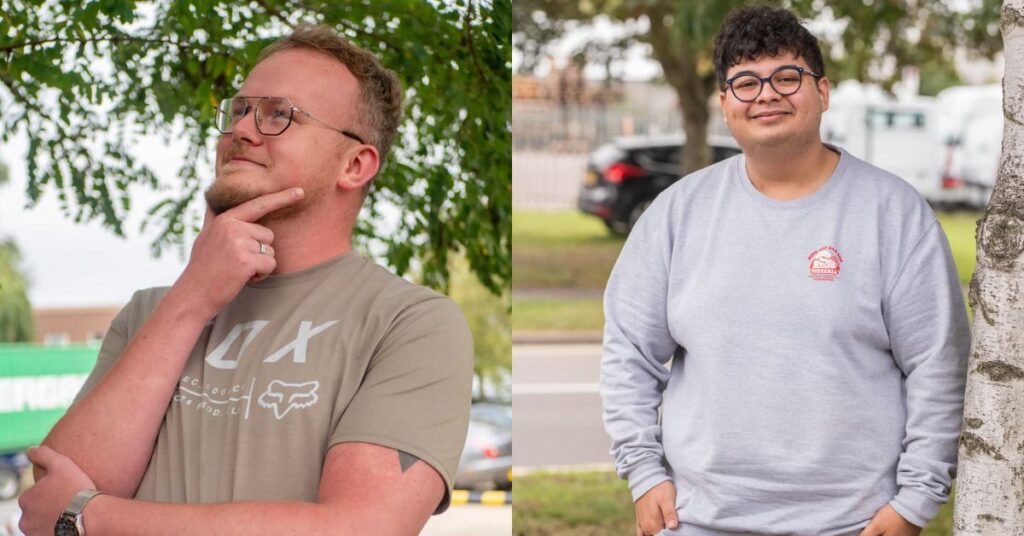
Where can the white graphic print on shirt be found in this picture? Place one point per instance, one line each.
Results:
(279, 396)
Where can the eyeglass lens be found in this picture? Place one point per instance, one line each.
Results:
(273, 114)
(785, 82)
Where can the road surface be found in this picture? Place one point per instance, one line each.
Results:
(557, 415)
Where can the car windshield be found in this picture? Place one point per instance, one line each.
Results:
(494, 415)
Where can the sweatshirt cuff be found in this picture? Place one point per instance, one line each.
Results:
(915, 506)
(644, 477)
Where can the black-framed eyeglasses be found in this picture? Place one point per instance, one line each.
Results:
(785, 80)
(273, 115)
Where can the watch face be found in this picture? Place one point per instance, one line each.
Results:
(66, 526)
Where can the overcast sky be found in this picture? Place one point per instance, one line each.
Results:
(73, 265)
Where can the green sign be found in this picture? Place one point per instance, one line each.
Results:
(37, 384)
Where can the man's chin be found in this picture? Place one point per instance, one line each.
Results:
(768, 140)
(221, 199)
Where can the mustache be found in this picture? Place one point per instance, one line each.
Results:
(236, 151)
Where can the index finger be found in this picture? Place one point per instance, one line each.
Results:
(254, 209)
(42, 456)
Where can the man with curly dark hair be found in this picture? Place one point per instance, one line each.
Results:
(810, 307)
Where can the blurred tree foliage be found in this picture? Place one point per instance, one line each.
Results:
(16, 321)
(489, 321)
(84, 80)
(874, 41)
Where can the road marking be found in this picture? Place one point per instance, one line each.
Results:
(553, 388)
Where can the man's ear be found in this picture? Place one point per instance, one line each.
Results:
(823, 90)
(721, 106)
(359, 168)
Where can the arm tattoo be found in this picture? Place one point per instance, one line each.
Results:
(406, 460)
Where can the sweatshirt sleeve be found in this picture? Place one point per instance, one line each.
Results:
(930, 340)
(637, 344)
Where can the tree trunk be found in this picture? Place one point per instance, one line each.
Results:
(679, 62)
(990, 487)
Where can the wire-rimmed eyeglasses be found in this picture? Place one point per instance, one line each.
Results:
(785, 80)
(273, 115)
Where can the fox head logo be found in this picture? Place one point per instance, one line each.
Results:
(288, 396)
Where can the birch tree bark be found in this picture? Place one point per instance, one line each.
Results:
(990, 487)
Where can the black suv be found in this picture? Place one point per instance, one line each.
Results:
(624, 176)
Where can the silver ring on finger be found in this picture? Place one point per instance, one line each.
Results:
(263, 247)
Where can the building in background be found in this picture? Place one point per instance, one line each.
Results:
(73, 325)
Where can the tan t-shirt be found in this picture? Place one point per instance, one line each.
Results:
(342, 351)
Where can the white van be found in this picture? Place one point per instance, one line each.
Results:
(901, 137)
(971, 125)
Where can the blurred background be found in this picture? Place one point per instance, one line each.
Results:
(613, 101)
(106, 139)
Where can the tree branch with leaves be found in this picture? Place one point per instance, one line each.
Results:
(86, 81)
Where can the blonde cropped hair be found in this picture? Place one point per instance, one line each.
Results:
(380, 108)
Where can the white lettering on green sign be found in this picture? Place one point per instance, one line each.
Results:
(38, 393)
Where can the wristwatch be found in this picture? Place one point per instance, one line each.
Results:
(70, 522)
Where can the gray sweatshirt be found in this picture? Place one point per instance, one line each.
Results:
(818, 354)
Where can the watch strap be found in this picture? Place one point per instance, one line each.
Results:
(79, 500)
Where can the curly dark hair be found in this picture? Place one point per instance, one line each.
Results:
(752, 32)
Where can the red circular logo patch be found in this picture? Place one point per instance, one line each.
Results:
(825, 263)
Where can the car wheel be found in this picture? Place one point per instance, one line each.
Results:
(638, 209)
(10, 483)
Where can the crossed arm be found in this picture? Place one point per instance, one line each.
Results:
(364, 489)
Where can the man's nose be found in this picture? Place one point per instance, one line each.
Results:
(768, 93)
(245, 129)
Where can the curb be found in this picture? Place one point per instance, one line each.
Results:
(487, 498)
(556, 337)
(563, 469)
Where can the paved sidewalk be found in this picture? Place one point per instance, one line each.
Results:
(471, 520)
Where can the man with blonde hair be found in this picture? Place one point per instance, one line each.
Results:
(283, 384)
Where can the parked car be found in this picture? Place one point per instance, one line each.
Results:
(12, 464)
(487, 458)
(624, 176)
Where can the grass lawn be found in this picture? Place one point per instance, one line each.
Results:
(572, 504)
(534, 314)
(565, 250)
(571, 251)
(959, 228)
(598, 504)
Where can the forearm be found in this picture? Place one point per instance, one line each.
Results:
(633, 377)
(926, 469)
(110, 433)
(115, 516)
(631, 392)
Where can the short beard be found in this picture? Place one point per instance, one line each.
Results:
(221, 198)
